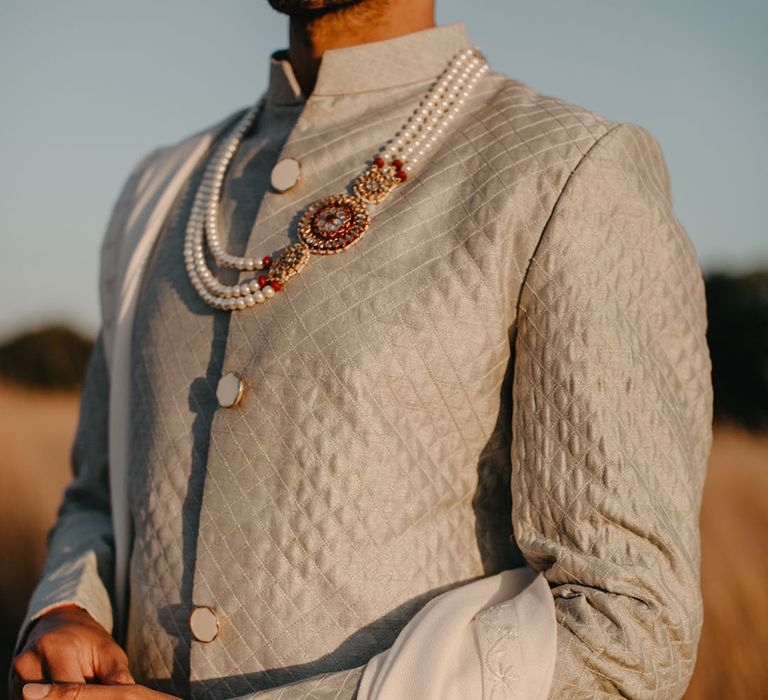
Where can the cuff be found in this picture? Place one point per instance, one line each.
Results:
(74, 582)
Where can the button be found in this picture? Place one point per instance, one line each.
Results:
(204, 624)
(230, 390)
(286, 174)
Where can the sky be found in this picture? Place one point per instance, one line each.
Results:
(89, 86)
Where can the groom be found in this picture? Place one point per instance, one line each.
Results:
(510, 369)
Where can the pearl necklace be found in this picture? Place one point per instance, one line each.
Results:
(330, 225)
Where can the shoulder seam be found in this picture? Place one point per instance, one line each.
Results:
(559, 197)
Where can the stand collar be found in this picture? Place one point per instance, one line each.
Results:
(404, 60)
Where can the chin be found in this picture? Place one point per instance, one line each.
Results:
(307, 7)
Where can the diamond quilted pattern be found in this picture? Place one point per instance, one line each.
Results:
(367, 467)
(510, 366)
(612, 425)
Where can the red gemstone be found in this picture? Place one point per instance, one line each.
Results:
(266, 260)
(262, 280)
(378, 162)
(276, 285)
(397, 163)
(401, 175)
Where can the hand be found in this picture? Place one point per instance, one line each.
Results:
(67, 645)
(76, 691)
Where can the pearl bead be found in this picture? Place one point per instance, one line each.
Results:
(420, 132)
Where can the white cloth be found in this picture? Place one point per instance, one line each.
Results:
(498, 633)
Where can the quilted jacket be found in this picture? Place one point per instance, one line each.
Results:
(510, 367)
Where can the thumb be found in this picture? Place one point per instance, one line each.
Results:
(56, 691)
(74, 691)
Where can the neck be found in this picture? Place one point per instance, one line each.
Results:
(310, 36)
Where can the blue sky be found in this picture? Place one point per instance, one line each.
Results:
(88, 86)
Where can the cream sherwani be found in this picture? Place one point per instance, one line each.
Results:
(510, 368)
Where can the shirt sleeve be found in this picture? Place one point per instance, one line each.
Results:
(612, 415)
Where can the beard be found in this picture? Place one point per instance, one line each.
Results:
(307, 8)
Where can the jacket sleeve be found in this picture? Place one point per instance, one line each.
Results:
(78, 565)
(337, 685)
(612, 415)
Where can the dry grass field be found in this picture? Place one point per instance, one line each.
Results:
(36, 430)
(733, 654)
(35, 434)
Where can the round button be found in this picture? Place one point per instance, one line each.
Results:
(286, 174)
(230, 390)
(204, 624)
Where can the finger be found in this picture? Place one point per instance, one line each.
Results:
(28, 667)
(35, 691)
(70, 691)
(15, 687)
(76, 691)
(112, 667)
(63, 666)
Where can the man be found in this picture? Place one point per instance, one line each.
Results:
(509, 368)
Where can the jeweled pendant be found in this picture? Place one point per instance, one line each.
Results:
(334, 223)
(290, 262)
(375, 183)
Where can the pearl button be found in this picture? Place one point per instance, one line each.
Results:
(230, 390)
(286, 174)
(204, 624)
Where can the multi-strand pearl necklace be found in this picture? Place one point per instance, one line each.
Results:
(329, 225)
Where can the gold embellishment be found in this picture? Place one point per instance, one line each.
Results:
(290, 262)
(375, 184)
(334, 223)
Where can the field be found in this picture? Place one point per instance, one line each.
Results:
(734, 579)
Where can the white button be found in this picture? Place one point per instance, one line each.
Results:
(204, 624)
(230, 390)
(286, 174)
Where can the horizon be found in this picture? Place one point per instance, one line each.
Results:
(89, 88)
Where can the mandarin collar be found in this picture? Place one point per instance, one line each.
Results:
(404, 60)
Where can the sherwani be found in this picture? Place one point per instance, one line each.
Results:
(509, 368)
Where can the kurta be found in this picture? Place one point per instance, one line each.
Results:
(510, 367)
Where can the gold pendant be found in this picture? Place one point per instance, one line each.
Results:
(290, 262)
(375, 184)
(333, 224)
